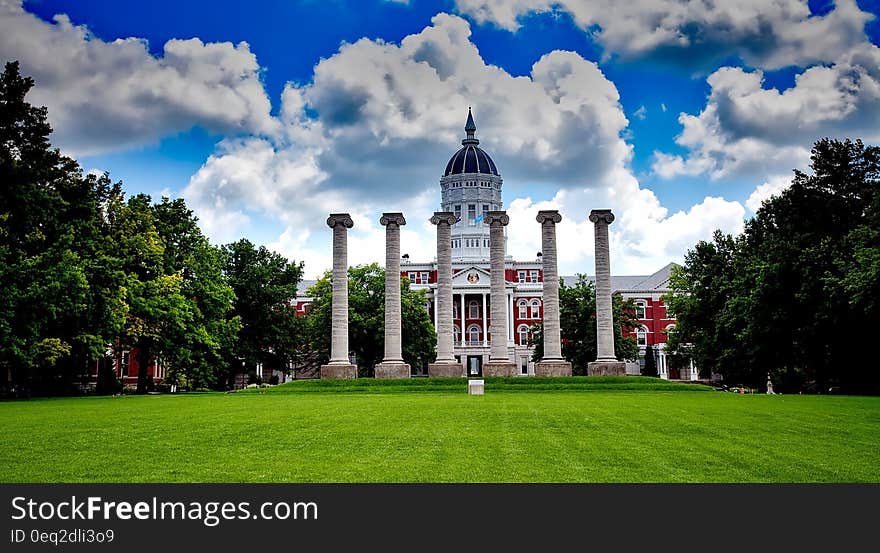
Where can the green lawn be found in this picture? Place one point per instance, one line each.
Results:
(585, 430)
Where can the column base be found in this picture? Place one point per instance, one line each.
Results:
(606, 368)
(553, 368)
(445, 370)
(392, 369)
(339, 371)
(499, 368)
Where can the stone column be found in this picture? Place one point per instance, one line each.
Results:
(339, 365)
(392, 366)
(552, 363)
(606, 364)
(445, 366)
(499, 364)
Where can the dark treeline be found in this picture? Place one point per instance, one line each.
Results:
(86, 272)
(797, 295)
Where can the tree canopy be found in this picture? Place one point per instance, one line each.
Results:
(789, 296)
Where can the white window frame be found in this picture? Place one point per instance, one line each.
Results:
(473, 330)
(535, 310)
(643, 305)
(473, 307)
(523, 309)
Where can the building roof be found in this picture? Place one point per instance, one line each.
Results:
(656, 282)
(470, 158)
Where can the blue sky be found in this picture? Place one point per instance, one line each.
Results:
(265, 116)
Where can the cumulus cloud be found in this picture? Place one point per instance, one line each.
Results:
(764, 34)
(771, 187)
(644, 236)
(748, 129)
(112, 95)
(373, 130)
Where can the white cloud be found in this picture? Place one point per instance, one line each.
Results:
(764, 34)
(105, 96)
(644, 235)
(370, 133)
(641, 113)
(388, 118)
(771, 187)
(747, 129)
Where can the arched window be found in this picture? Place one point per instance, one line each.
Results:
(642, 336)
(473, 309)
(641, 307)
(536, 309)
(669, 329)
(456, 333)
(454, 310)
(474, 334)
(523, 306)
(523, 332)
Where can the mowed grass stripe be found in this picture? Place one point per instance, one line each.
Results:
(526, 436)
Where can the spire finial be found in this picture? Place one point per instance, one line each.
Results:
(470, 128)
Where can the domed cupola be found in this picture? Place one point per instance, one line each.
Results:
(470, 158)
(470, 188)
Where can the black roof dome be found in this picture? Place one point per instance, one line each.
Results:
(470, 158)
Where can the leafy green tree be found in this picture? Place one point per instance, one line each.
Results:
(786, 295)
(265, 285)
(196, 349)
(366, 320)
(157, 308)
(577, 319)
(60, 300)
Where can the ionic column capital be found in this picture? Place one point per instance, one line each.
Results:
(343, 219)
(392, 219)
(601, 216)
(443, 217)
(495, 218)
(548, 216)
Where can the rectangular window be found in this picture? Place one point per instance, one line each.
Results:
(472, 214)
(424, 278)
(457, 212)
(533, 276)
(126, 360)
(521, 276)
(411, 277)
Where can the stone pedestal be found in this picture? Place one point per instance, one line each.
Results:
(339, 371)
(553, 368)
(445, 370)
(606, 368)
(390, 369)
(476, 387)
(499, 368)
